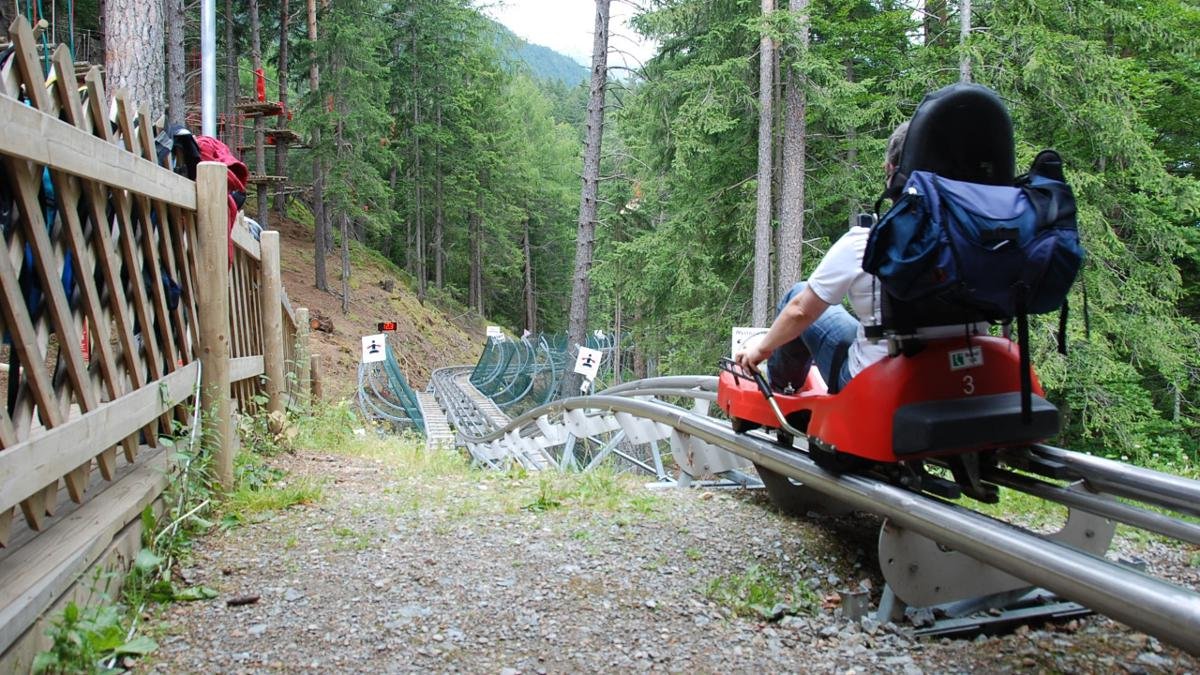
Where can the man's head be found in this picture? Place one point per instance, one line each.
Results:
(894, 145)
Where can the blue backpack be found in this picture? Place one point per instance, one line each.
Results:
(996, 251)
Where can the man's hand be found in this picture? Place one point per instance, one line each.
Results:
(751, 356)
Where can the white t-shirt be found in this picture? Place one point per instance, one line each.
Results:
(840, 274)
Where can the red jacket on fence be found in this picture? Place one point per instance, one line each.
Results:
(237, 175)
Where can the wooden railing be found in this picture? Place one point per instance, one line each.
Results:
(118, 302)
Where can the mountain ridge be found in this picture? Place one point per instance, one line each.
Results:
(543, 62)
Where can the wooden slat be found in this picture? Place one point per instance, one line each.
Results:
(28, 185)
(105, 249)
(32, 136)
(6, 518)
(286, 302)
(182, 243)
(235, 326)
(25, 344)
(168, 219)
(245, 241)
(129, 255)
(60, 449)
(41, 502)
(245, 368)
(68, 195)
(150, 260)
(41, 570)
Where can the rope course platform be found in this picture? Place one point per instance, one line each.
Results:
(256, 178)
(250, 108)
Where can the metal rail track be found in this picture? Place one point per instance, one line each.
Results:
(1146, 603)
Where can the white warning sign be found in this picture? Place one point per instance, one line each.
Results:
(373, 348)
(742, 334)
(495, 332)
(588, 362)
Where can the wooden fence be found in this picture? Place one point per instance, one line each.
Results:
(118, 303)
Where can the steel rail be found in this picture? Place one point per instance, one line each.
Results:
(1145, 485)
(1169, 612)
(699, 382)
(1100, 505)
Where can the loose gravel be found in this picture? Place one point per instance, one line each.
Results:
(395, 572)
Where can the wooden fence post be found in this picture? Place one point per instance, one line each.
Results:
(212, 227)
(317, 392)
(303, 354)
(271, 308)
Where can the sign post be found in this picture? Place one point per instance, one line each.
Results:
(587, 364)
(373, 348)
(742, 335)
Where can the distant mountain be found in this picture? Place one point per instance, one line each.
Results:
(544, 63)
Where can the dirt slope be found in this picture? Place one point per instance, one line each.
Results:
(429, 335)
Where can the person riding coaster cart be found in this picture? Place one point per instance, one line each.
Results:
(966, 243)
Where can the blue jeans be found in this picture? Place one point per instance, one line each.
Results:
(826, 342)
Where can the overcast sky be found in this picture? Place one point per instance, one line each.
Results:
(566, 26)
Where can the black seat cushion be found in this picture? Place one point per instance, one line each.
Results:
(931, 427)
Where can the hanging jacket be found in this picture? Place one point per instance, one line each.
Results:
(236, 177)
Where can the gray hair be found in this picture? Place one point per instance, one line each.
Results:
(895, 144)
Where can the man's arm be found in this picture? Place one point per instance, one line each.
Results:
(800, 313)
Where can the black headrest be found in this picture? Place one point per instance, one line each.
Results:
(961, 132)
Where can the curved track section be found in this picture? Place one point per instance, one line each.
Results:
(634, 414)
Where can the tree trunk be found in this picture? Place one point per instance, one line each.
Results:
(345, 263)
(934, 22)
(231, 82)
(585, 239)
(791, 213)
(639, 356)
(530, 301)
(176, 63)
(762, 223)
(260, 128)
(320, 280)
(418, 217)
(282, 148)
(964, 33)
(617, 339)
(777, 126)
(475, 221)
(410, 264)
(439, 258)
(851, 137)
(133, 51)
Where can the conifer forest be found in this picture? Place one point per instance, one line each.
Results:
(721, 168)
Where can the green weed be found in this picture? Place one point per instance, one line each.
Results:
(602, 490)
(248, 501)
(759, 592)
(85, 639)
(351, 539)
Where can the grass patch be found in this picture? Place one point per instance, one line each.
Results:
(1024, 509)
(262, 489)
(351, 539)
(602, 490)
(247, 501)
(761, 593)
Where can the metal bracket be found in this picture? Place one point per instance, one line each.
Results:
(923, 573)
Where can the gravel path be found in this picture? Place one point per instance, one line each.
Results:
(394, 571)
